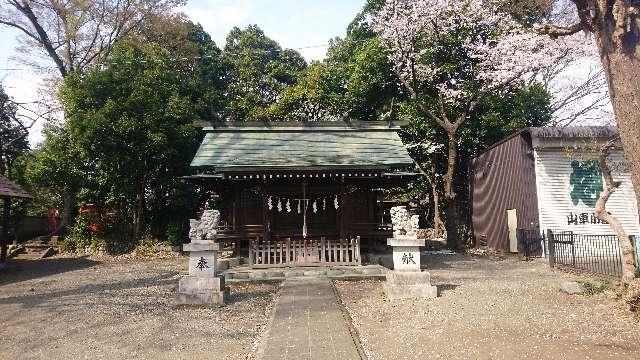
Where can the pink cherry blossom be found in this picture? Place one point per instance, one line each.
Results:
(509, 53)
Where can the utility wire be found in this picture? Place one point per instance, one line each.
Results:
(176, 59)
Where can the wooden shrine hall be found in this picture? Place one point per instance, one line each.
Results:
(304, 193)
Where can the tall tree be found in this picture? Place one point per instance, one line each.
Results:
(355, 80)
(626, 248)
(13, 143)
(76, 35)
(259, 71)
(496, 116)
(138, 105)
(56, 167)
(615, 24)
(449, 55)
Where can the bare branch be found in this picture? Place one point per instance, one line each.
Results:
(21, 28)
(555, 31)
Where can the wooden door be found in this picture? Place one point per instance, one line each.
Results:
(512, 228)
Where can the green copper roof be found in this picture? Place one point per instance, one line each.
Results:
(300, 149)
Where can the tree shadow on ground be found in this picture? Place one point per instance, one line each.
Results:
(238, 296)
(96, 289)
(18, 270)
(443, 288)
(440, 262)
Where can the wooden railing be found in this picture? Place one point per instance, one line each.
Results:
(304, 252)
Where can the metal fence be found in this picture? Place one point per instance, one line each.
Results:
(531, 243)
(599, 254)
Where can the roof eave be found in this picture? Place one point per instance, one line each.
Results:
(305, 125)
(267, 168)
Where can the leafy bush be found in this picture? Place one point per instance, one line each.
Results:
(81, 236)
(174, 234)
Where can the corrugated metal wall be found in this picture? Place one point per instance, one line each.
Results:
(504, 178)
(561, 211)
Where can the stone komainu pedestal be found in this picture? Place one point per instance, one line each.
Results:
(407, 280)
(202, 286)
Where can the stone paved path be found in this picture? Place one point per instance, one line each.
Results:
(307, 324)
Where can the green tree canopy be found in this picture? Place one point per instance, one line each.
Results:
(132, 121)
(259, 71)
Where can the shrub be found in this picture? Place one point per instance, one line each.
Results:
(82, 235)
(174, 234)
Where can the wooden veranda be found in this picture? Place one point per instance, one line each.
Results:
(300, 194)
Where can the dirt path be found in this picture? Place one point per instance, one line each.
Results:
(491, 310)
(78, 308)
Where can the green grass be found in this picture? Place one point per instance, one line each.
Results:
(594, 287)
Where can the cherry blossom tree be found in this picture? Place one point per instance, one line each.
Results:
(449, 54)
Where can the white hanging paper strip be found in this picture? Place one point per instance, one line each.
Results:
(270, 203)
(324, 204)
(288, 205)
(298, 206)
(279, 205)
(315, 207)
(335, 202)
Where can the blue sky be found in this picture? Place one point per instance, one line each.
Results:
(294, 24)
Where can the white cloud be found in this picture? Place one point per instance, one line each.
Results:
(314, 53)
(217, 18)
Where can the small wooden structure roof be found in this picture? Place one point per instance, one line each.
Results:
(11, 189)
(574, 132)
(302, 146)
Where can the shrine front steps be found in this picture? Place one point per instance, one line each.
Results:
(245, 274)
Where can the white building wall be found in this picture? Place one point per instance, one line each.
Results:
(556, 208)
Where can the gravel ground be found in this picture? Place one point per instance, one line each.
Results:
(488, 309)
(78, 308)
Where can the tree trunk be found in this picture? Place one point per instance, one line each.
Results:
(138, 212)
(437, 219)
(628, 257)
(618, 42)
(451, 225)
(68, 212)
(451, 221)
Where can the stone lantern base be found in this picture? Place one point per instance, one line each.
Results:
(203, 285)
(409, 284)
(193, 290)
(407, 280)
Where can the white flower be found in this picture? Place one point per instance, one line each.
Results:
(510, 52)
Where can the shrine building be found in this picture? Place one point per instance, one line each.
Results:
(303, 193)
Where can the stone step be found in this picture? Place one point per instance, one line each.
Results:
(33, 248)
(275, 274)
